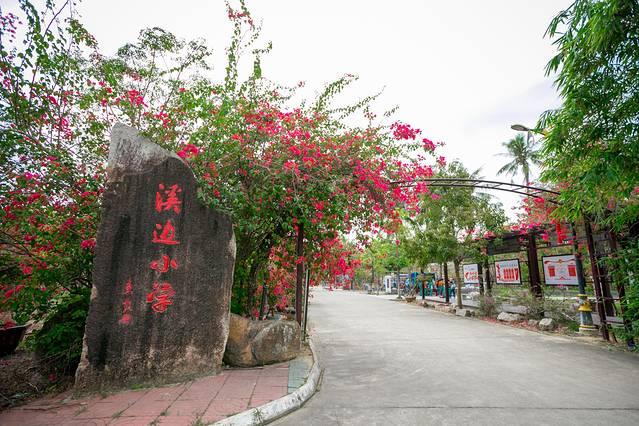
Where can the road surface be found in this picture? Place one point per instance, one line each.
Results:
(389, 363)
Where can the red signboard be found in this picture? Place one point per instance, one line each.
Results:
(560, 270)
(507, 271)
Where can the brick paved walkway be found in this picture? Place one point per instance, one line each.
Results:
(201, 401)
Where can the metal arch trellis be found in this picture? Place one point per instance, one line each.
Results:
(527, 190)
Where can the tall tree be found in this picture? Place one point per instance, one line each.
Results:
(449, 219)
(522, 154)
(591, 143)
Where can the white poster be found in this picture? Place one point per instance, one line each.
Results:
(507, 271)
(471, 273)
(560, 270)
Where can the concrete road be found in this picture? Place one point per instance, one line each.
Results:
(389, 363)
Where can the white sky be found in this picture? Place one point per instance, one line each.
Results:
(462, 71)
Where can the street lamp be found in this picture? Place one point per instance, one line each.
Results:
(528, 130)
(521, 128)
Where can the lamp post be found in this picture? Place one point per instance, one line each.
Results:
(529, 135)
(586, 325)
(528, 130)
(585, 310)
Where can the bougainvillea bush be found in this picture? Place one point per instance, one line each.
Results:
(278, 168)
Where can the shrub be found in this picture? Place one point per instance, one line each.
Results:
(59, 342)
(487, 306)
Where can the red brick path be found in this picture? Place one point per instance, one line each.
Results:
(206, 400)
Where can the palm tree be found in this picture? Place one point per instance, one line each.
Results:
(523, 154)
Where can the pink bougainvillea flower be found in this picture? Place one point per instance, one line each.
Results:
(88, 244)
(26, 269)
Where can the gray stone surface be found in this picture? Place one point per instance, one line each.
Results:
(444, 308)
(463, 313)
(506, 317)
(298, 370)
(514, 309)
(547, 324)
(396, 364)
(162, 273)
(533, 323)
(252, 343)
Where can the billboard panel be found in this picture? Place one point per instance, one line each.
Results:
(560, 270)
(471, 273)
(507, 271)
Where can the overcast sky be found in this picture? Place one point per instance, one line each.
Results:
(462, 71)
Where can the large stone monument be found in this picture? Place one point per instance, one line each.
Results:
(162, 274)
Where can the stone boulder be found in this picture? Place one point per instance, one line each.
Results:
(533, 323)
(442, 307)
(464, 313)
(162, 273)
(547, 324)
(252, 343)
(515, 309)
(506, 317)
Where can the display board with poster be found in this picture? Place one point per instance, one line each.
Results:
(471, 273)
(560, 270)
(507, 271)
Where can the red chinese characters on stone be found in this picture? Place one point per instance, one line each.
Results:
(171, 201)
(164, 264)
(166, 199)
(128, 287)
(160, 297)
(127, 307)
(167, 233)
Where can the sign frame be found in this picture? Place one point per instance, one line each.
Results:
(556, 282)
(476, 270)
(519, 282)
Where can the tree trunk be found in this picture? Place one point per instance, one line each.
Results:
(458, 295)
(251, 286)
(300, 274)
(264, 301)
(446, 285)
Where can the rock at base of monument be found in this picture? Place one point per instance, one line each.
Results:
(162, 274)
(464, 313)
(547, 324)
(506, 317)
(253, 343)
(515, 309)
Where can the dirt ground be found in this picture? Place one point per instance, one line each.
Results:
(24, 377)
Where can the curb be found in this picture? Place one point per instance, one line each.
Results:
(280, 407)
